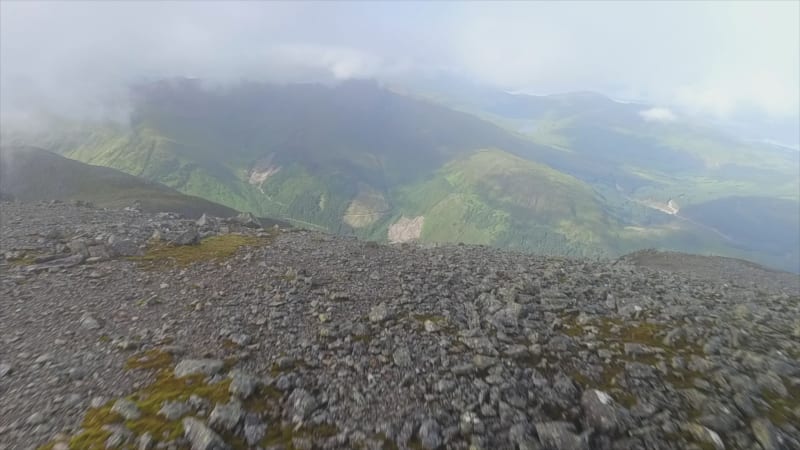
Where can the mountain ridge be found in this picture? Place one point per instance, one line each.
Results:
(356, 158)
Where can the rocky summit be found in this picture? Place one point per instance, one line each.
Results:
(122, 329)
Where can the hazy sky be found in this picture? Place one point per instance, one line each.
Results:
(716, 58)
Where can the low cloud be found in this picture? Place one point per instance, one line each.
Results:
(80, 56)
(658, 114)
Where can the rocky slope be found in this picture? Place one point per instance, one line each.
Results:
(122, 329)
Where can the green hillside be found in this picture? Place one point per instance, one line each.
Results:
(30, 174)
(575, 174)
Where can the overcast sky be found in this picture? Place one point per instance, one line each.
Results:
(716, 58)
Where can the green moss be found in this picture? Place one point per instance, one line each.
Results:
(388, 444)
(779, 409)
(160, 428)
(154, 359)
(169, 388)
(365, 338)
(266, 399)
(422, 318)
(415, 444)
(25, 260)
(209, 249)
(276, 370)
(285, 434)
(91, 439)
(442, 322)
(613, 333)
(228, 344)
(92, 435)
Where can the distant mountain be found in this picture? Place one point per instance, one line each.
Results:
(574, 174)
(28, 173)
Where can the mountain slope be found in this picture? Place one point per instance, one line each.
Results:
(638, 158)
(36, 174)
(575, 174)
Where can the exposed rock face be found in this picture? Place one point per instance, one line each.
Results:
(306, 340)
(367, 207)
(405, 229)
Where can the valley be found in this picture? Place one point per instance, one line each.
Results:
(357, 157)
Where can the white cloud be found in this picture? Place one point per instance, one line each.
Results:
(770, 93)
(726, 58)
(658, 114)
(341, 62)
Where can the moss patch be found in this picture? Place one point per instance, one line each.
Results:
(150, 360)
(365, 338)
(149, 400)
(613, 333)
(26, 259)
(778, 409)
(285, 434)
(209, 249)
(92, 435)
(276, 370)
(444, 325)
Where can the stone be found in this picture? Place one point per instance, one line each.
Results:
(431, 326)
(246, 219)
(99, 251)
(205, 367)
(119, 436)
(61, 263)
(203, 221)
(300, 405)
(402, 357)
(639, 370)
(124, 247)
(36, 418)
(76, 373)
(78, 247)
(561, 436)
(430, 434)
(240, 339)
(705, 435)
(127, 409)
(599, 410)
(770, 381)
(242, 385)
(378, 313)
(765, 434)
(520, 435)
(88, 322)
(188, 237)
(226, 416)
(174, 410)
(145, 442)
(254, 429)
(200, 436)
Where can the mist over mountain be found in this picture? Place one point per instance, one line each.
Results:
(238, 225)
(571, 174)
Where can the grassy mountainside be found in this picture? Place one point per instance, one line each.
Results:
(36, 174)
(637, 162)
(574, 174)
(493, 197)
